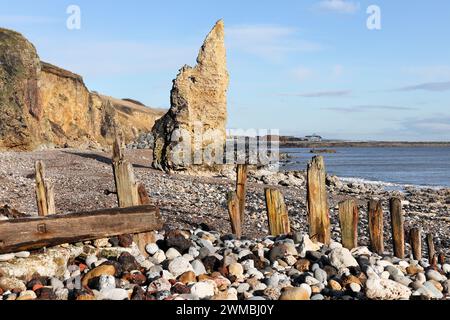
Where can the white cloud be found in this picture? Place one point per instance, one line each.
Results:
(270, 42)
(429, 86)
(339, 6)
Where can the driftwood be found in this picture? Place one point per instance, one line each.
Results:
(34, 233)
(318, 210)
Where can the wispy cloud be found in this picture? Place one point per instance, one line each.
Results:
(429, 86)
(268, 41)
(319, 94)
(339, 6)
(436, 125)
(366, 108)
(23, 19)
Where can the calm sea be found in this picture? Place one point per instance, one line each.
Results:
(394, 167)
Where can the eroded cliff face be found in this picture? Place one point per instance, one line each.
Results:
(42, 105)
(198, 111)
(20, 108)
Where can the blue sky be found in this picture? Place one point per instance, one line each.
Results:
(302, 67)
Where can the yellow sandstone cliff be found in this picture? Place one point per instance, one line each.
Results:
(42, 105)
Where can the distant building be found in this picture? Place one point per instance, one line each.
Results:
(314, 138)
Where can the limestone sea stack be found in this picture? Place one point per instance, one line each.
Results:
(193, 132)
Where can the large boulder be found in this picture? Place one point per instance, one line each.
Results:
(198, 108)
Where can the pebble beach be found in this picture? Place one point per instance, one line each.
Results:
(196, 257)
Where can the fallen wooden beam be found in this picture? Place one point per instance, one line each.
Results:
(35, 233)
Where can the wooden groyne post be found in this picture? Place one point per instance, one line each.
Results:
(415, 237)
(318, 210)
(398, 231)
(45, 196)
(129, 192)
(277, 213)
(375, 212)
(349, 217)
(241, 187)
(235, 216)
(430, 246)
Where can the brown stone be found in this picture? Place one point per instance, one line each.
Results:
(413, 269)
(296, 294)
(97, 272)
(187, 277)
(46, 293)
(204, 277)
(85, 297)
(302, 265)
(125, 240)
(334, 285)
(135, 278)
(346, 280)
(128, 262)
(315, 289)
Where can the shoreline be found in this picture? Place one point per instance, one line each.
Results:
(363, 144)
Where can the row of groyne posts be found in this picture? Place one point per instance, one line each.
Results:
(136, 215)
(319, 216)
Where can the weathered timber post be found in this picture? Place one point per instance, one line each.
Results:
(398, 231)
(434, 262)
(277, 213)
(241, 187)
(415, 237)
(375, 211)
(348, 217)
(126, 186)
(430, 246)
(45, 197)
(318, 210)
(235, 216)
(129, 193)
